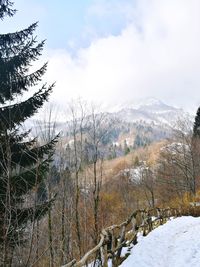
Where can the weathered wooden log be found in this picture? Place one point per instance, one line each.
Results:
(149, 221)
(121, 241)
(85, 258)
(70, 264)
(115, 237)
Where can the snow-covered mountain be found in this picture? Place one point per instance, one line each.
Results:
(137, 124)
(150, 110)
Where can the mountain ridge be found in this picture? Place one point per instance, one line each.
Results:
(150, 110)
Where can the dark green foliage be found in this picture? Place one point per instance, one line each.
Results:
(126, 148)
(141, 141)
(136, 162)
(112, 154)
(13, 115)
(5, 8)
(196, 127)
(23, 163)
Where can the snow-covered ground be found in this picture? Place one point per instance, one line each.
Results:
(174, 244)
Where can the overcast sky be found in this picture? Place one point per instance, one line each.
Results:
(114, 51)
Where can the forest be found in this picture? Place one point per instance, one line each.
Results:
(59, 189)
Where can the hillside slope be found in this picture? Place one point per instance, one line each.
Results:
(175, 244)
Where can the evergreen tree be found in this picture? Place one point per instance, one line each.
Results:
(136, 162)
(126, 148)
(23, 164)
(196, 127)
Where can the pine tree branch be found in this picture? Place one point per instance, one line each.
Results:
(19, 83)
(13, 115)
(28, 156)
(5, 9)
(19, 37)
(20, 62)
(26, 180)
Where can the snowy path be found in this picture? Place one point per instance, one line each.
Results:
(174, 244)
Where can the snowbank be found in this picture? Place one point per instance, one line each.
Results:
(175, 244)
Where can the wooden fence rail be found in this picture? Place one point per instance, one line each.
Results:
(115, 237)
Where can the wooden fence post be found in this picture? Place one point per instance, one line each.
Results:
(149, 221)
(115, 237)
(121, 240)
(134, 226)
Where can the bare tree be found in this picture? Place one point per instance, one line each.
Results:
(46, 131)
(148, 184)
(100, 125)
(179, 165)
(77, 126)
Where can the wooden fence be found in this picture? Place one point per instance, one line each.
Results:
(114, 238)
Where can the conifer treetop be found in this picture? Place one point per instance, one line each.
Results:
(196, 127)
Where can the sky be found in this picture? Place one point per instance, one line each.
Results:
(117, 51)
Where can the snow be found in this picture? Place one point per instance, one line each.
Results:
(174, 244)
(149, 110)
(135, 174)
(176, 148)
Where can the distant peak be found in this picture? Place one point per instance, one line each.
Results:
(149, 102)
(145, 102)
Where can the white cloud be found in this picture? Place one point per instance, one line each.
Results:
(102, 8)
(157, 54)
